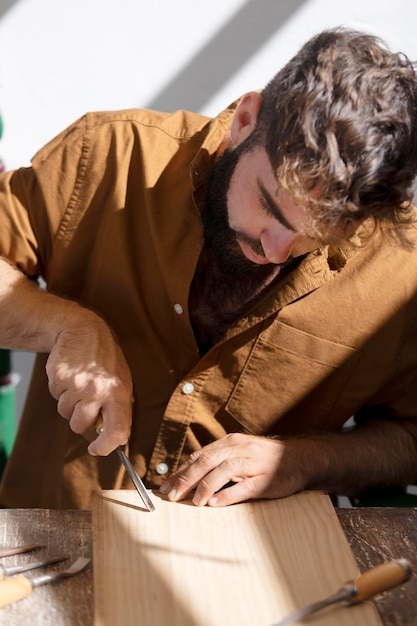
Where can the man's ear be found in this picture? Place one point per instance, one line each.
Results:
(245, 117)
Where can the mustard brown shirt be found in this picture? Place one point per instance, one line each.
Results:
(108, 215)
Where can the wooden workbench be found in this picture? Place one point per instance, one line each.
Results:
(374, 535)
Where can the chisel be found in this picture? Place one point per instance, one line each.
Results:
(18, 569)
(127, 464)
(27, 547)
(21, 586)
(365, 586)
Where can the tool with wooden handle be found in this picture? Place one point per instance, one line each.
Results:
(365, 586)
(20, 587)
(18, 569)
(130, 470)
(27, 547)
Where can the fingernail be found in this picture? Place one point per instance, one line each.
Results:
(196, 500)
(172, 494)
(164, 488)
(212, 501)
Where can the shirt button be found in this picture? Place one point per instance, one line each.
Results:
(178, 309)
(188, 388)
(162, 468)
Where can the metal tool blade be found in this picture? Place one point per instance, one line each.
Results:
(18, 587)
(366, 585)
(300, 614)
(136, 479)
(130, 470)
(18, 569)
(28, 547)
(78, 565)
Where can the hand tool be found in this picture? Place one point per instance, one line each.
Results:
(20, 587)
(365, 586)
(131, 472)
(18, 569)
(28, 547)
(136, 479)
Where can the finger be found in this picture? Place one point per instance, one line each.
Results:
(240, 491)
(188, 476)
(84, 417)
(234, 480)
(56, 389)
(111, 434)
(200, 463)
(74, 407)
(227, 472)
(218, 449)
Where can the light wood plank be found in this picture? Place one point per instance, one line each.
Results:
(248, 564)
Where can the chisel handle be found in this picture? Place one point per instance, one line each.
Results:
(13, 589)
(381, 578)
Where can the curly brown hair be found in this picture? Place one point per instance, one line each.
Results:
(339, 123)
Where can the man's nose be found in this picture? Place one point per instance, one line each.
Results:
(277, 247)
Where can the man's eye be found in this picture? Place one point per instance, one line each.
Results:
(265, 206)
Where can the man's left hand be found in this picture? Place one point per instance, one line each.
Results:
(249, 466)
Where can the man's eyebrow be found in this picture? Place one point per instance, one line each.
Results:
(273, 208)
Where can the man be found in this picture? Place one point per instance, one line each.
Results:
(225, 293)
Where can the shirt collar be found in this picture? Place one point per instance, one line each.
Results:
(206, 154)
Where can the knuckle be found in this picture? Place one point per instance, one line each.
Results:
(253, 446)
(229, 465)
(235, 439)
(204, 459)
(118, 434)
(62, 407)
(204, 484)
(253, 487)
(183, 482)
(194, 456)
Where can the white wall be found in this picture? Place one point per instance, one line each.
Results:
(60, 59)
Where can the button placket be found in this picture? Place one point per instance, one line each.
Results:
(173, 431)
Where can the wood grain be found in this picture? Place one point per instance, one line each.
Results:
(249, 564)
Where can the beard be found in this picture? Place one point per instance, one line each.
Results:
(220, 240)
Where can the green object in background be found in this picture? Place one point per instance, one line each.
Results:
(7, 392)
(7, 408)
(7, 417)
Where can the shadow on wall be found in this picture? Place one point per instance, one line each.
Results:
(229, 49)
(5, 6)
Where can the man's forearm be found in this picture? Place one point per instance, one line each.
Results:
(86, 370)
(30, 318)
(378, 454)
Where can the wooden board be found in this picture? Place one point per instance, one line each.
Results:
(248, 564)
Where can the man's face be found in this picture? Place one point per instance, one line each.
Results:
(249, 223)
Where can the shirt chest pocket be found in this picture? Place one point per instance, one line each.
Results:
(290, 375)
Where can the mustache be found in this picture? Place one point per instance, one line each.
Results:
(257, 247)
(255, 244)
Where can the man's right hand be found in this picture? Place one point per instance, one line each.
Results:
(87, 371)
(88, 376)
